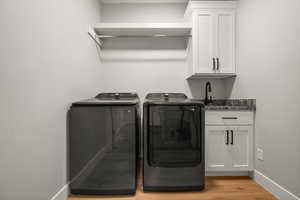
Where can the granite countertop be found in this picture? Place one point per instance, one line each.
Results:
(231, 104)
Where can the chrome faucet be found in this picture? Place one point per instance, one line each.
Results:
(207, 89)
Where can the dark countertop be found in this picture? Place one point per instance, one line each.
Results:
(231, 104)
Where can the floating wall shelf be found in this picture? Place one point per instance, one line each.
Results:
(142, 1)
(102, 31)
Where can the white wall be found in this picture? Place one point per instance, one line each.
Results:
(47, 61)
(144, 76)
(268, 47)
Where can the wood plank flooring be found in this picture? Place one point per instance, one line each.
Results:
(217, 188)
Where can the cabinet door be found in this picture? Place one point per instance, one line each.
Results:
(203, 40)
(217, 150)
(241, 150)
(225, 25)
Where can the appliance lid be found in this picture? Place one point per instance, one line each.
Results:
(115, 98)
(169, 99)
(165, 96)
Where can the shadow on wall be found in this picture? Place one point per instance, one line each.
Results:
(221, 88)
(143, 49)
(144, 43)
(229, 83)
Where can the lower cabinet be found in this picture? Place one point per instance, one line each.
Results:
(229, 147)
(217, 154)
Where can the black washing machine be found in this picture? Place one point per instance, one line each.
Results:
(173, 143)
(103, 144)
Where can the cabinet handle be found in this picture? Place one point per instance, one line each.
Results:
(214, 64)
(231, 137)
(227, 137)
(218, 64)
(229, 118)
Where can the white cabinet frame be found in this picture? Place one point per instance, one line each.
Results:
(229, 141)
(212, 48)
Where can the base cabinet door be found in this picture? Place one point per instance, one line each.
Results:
(241, 150)
(229, 148)
(217, 152)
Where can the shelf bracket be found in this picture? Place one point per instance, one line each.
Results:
(93, 35)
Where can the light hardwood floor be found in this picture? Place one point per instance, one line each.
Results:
(217, 188)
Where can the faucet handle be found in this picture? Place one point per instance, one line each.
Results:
(117, 96)
(166, 96)
(210, 99)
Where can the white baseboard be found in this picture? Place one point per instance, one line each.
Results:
(273, 187)
(62, 194)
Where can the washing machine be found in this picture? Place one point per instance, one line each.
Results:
(103, 144)
(173, 143)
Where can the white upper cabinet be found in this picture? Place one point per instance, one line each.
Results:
(212, 46)
(225, 52)
(203, 21)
